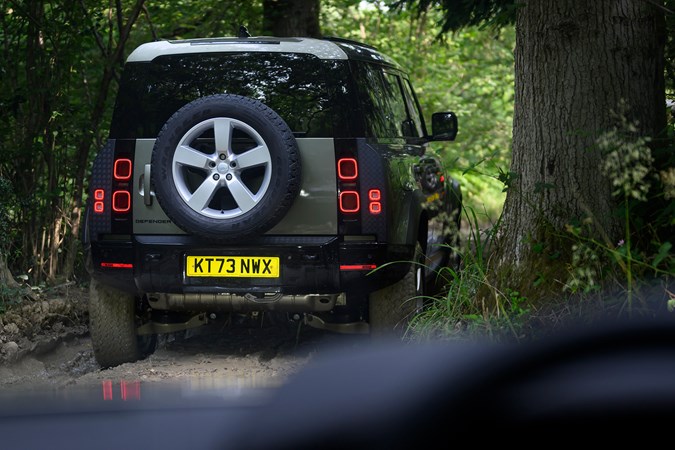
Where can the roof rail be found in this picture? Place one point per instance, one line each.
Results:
(347, 41)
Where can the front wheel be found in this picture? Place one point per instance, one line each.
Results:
(112, 325)
(391, 308)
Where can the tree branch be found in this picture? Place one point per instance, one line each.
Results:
(152, 26)
(94, 31)
(658, 6)
(124, 33)
(118, 6)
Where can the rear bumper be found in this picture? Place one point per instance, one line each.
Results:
(308, 265)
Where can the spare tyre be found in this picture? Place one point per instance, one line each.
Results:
(225, 167)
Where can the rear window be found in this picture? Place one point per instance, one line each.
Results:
(308, 93)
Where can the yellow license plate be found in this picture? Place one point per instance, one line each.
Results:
(232, 266)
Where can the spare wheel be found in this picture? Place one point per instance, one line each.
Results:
(225, 167)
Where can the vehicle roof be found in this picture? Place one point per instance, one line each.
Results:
(327, 48)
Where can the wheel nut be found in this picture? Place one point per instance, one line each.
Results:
(228, 176)
(212, 164)
(233, 164)
(222, 156)
(216, 176)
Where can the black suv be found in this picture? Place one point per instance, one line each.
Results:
(288, 176)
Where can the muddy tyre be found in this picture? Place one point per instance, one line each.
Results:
(226, 167)
(391, 308)
(112, 325)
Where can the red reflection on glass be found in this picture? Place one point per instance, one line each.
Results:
(107, 389)
(130, 390)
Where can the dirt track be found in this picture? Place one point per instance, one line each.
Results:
(41, 347)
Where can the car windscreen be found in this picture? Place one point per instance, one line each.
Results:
(308, 93)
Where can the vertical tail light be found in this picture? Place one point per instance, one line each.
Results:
(121, 196)
(348, 173)
(362, 174)
(110, 200)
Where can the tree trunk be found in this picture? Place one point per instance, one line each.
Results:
(575, 60)
(291, 18)
(6, 278)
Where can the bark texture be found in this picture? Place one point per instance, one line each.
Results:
(287, 18)
(575, 60)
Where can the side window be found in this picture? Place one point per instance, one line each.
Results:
(397, 111)
(414, 109)
(383, 103)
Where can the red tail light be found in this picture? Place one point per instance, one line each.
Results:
(122, 169)
(121, 201)
(117, 265)
(357, 266)
(121, 197)
(362, 177)
(374, 205)
(348, 169)
(349, 202)
(99, 196)
(348, 173)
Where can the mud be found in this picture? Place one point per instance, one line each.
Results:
(45, 343)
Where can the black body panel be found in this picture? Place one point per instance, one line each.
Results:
(308, 265)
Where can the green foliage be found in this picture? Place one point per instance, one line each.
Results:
(627, 160)
(184, 19)
(471, 73)
(670, 48)
(55, 106)
(458, 311)
(643, 177)
(642, 193)
(459, 14)
(8, 205)
(471, 306)
(9, 296)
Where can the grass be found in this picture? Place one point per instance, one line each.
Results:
(606, 279)
(456, 312)
(460, 311)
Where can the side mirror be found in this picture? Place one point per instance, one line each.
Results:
(444, 126)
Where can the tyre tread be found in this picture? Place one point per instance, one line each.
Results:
(391, 308)
(112, 325)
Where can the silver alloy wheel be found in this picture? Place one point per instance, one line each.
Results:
(223, 168)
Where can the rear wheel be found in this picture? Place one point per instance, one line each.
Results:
(391, 308)
(112, 324)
